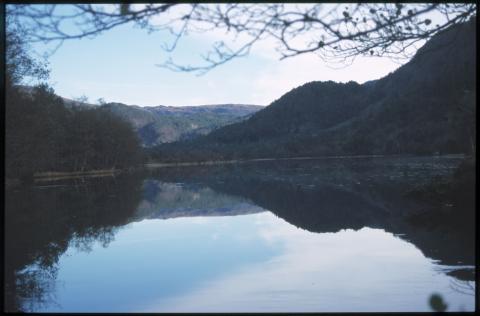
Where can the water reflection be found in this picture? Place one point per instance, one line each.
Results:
(355, 236)
(170, 200)
(364, 270)
(42, 222)
(327, 196)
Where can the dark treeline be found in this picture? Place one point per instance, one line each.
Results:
(41, 134)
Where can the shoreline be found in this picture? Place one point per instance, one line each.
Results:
(234, 161)
(48, 176)
(63, 175)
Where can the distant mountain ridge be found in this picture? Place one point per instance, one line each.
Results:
(426, 106)
(163, 124)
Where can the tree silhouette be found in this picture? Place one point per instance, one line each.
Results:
(334, 32)
(19, 63)
(41, 134)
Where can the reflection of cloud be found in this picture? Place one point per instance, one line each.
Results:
(364, 270)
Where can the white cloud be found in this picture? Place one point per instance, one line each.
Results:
(127, 73)
(282, 76)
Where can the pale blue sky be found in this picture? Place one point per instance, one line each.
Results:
(120, 66)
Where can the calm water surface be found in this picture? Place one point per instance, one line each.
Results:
(337, 235)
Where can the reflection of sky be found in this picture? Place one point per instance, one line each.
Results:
(254, 262)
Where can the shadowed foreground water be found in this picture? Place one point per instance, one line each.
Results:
(336, 235)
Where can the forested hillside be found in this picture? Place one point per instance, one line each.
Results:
(164, 124)
(43, 135)
(427, 106)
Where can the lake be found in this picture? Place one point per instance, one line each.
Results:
(326, 235)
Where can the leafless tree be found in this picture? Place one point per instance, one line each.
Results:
(334, 32)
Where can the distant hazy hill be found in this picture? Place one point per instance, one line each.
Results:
(426, 106)
(164, 124)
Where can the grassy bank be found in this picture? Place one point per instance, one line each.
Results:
(54, 175)
(57, 175)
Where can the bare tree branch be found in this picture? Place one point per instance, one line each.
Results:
(336, 33)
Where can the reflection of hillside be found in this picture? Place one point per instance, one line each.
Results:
(327, 196)
(330, 209)
(169, 200)
(42, 222)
